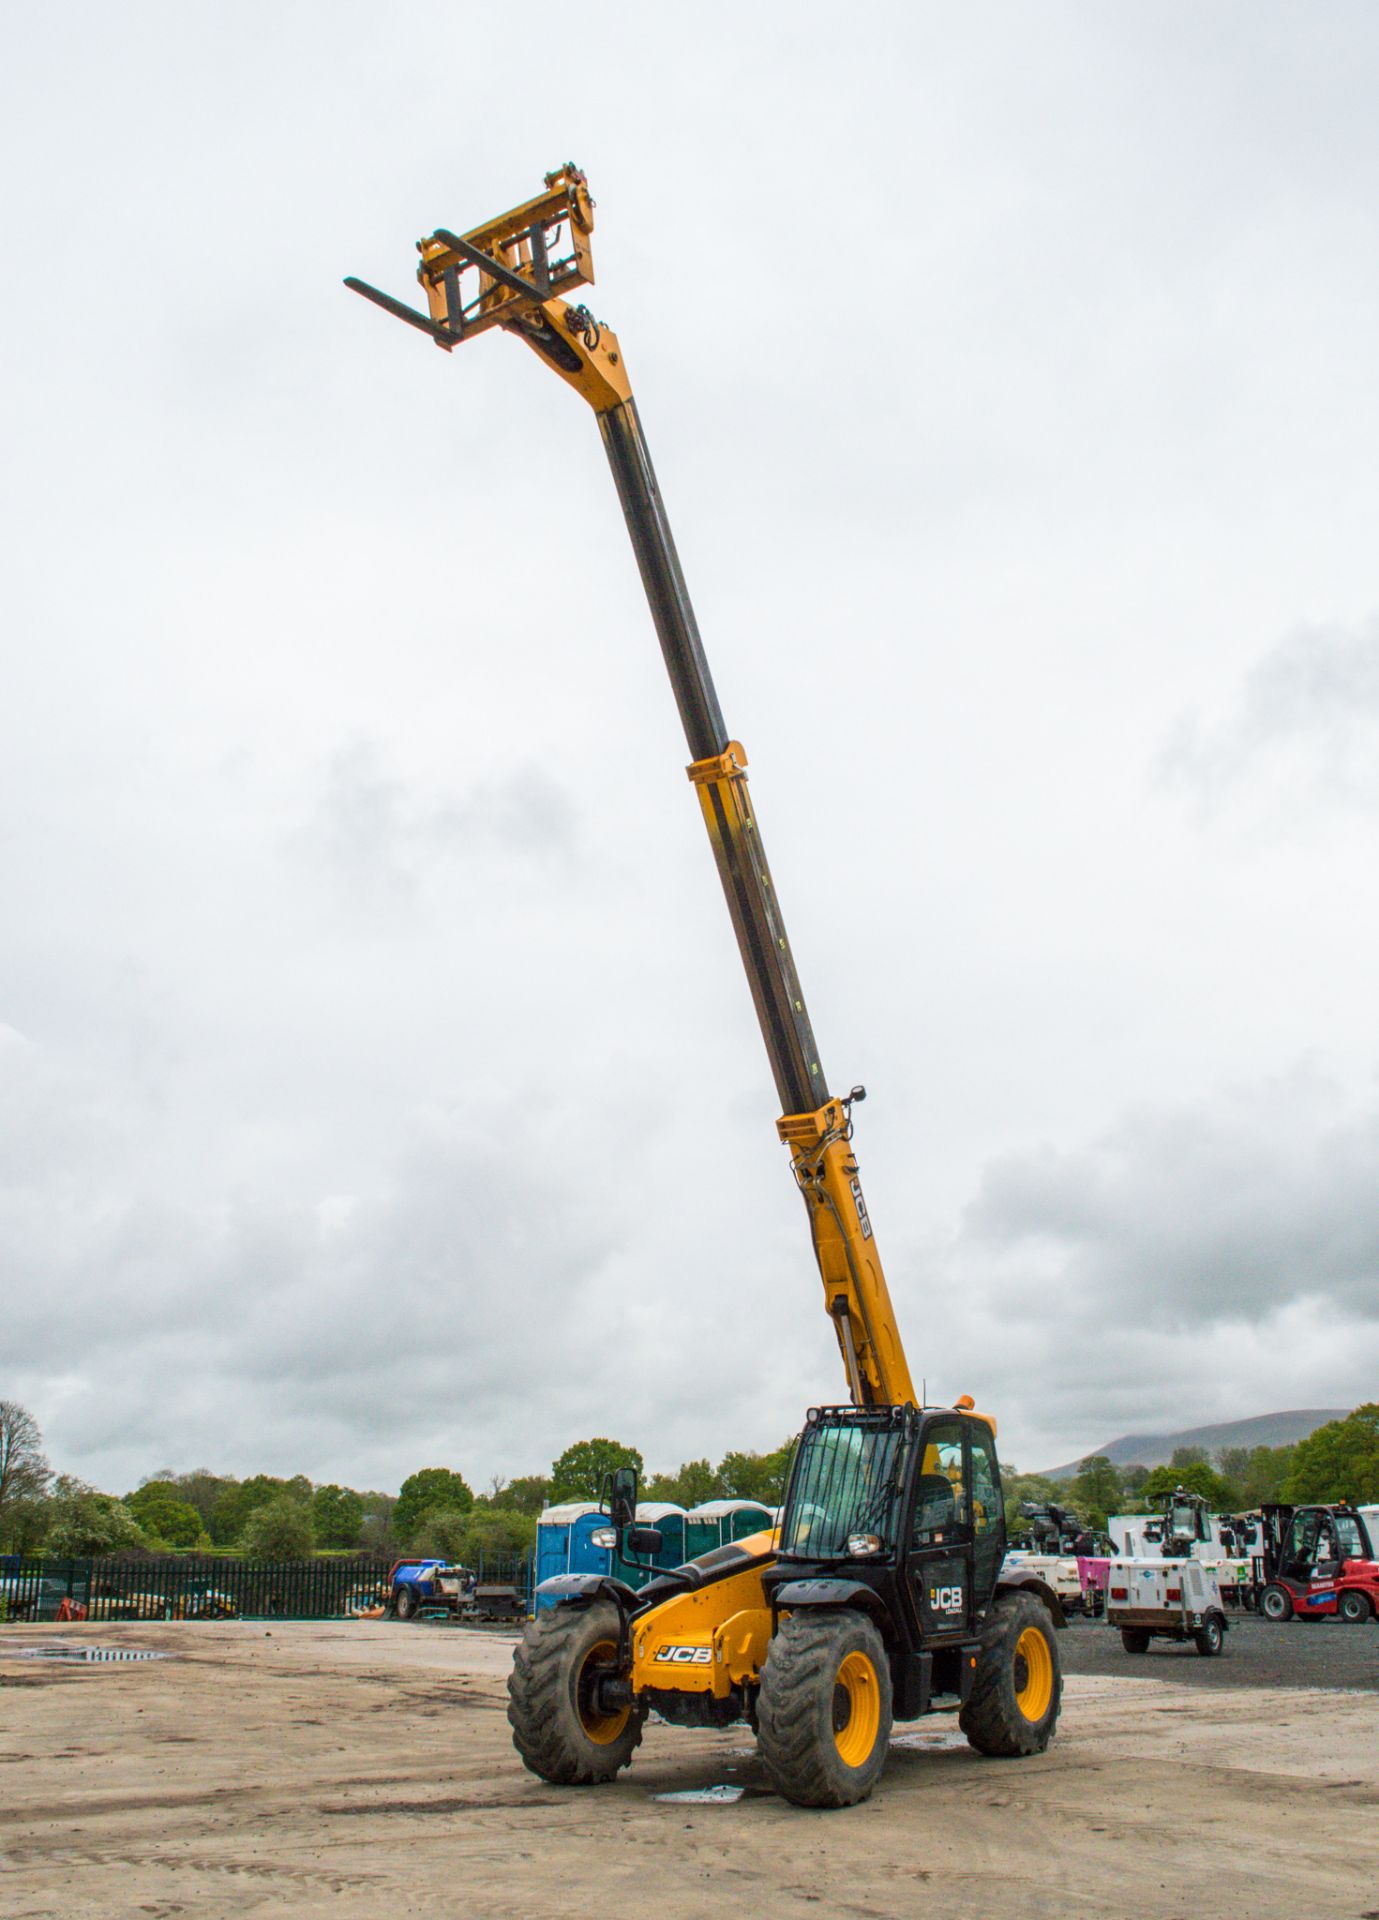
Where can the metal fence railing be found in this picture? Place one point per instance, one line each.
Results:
(190, 1587)
(186, 1588)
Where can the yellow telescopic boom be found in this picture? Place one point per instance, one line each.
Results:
(510, 273)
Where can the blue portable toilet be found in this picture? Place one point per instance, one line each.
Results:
(563, 1544)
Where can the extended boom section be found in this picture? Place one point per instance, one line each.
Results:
(509, 273)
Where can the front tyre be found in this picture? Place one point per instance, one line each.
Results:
(560, 1724)
(407, 1605)
(1018, 1686)
(1210, 1636)
(1276, 1603)
(824, 1710)
(1134, 1639)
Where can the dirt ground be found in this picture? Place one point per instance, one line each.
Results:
(365, 1768)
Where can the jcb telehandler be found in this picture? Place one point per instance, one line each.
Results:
(880, 1596)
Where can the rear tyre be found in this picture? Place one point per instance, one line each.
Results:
(1210, 1637)
(1354, 1608)
(559, 1725)
(407, 1603)
(1276, 1603)
(824, 1711)
(1017, 1689)
(1134, 1639)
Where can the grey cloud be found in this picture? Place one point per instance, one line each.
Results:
(429, 1306)
(380, 836)
(1221, 1210)
(1306, 717)
(340, 784)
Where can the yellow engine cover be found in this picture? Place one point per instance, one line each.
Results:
(711, 1639)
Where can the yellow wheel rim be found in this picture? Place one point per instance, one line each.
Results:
(1033, 1674)
(602, 1728)
(856, 1709)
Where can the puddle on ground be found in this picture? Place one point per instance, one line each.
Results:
(942, 1740)
(704, 1796)
(67, 1652)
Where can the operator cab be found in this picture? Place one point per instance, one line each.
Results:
(905, 1502)
(1321, 1538)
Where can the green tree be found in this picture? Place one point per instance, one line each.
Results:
(163, 1516)
(225, 1518)
(86, 1524)
(433, 1488)
(441, 1534)
(25, 1525)
(337, 1514)
(528, 1493)
(232, 1509)
(1233, 1464)
(579, 1472)
(1197, 1477)
(1268, 1469)
(24, 1473)
(1034, 1487)
(24, 1476)
(479, 1534)
(1340, 1461)
(1095, 1492)
(376, 1535)
(200, 1489)
(689, 1486)
(1188, 1457)
(500, 1534)
(279, 1529)
(756, 1476)
(1132, 1479)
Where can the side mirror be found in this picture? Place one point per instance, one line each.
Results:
(619, 1500)
(645, 1540)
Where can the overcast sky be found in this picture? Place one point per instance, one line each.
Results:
(378, 1083)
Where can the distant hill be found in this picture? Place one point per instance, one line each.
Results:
(1156, 1449)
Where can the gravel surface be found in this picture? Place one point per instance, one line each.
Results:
(313, 1768)
(1258, 1653)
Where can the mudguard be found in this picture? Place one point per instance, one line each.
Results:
(579, 1589)
(1016, 1579)
(827, 1593)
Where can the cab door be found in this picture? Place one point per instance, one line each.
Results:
(938, 1564)
(987, 1506)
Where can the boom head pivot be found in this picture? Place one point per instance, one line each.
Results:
(510, 273)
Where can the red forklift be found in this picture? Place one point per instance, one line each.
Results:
(1317, 1563)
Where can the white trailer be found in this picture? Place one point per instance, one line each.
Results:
(1157, 1599)
(1140, 1536)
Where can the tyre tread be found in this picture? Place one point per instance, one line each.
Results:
(538, 1707)
(800, 1766)
(991, 1727)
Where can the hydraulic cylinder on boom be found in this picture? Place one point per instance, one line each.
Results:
(881, 1594)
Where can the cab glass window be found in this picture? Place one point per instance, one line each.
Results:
(986, 1498)
(939, 1501)
(1348, 1537)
